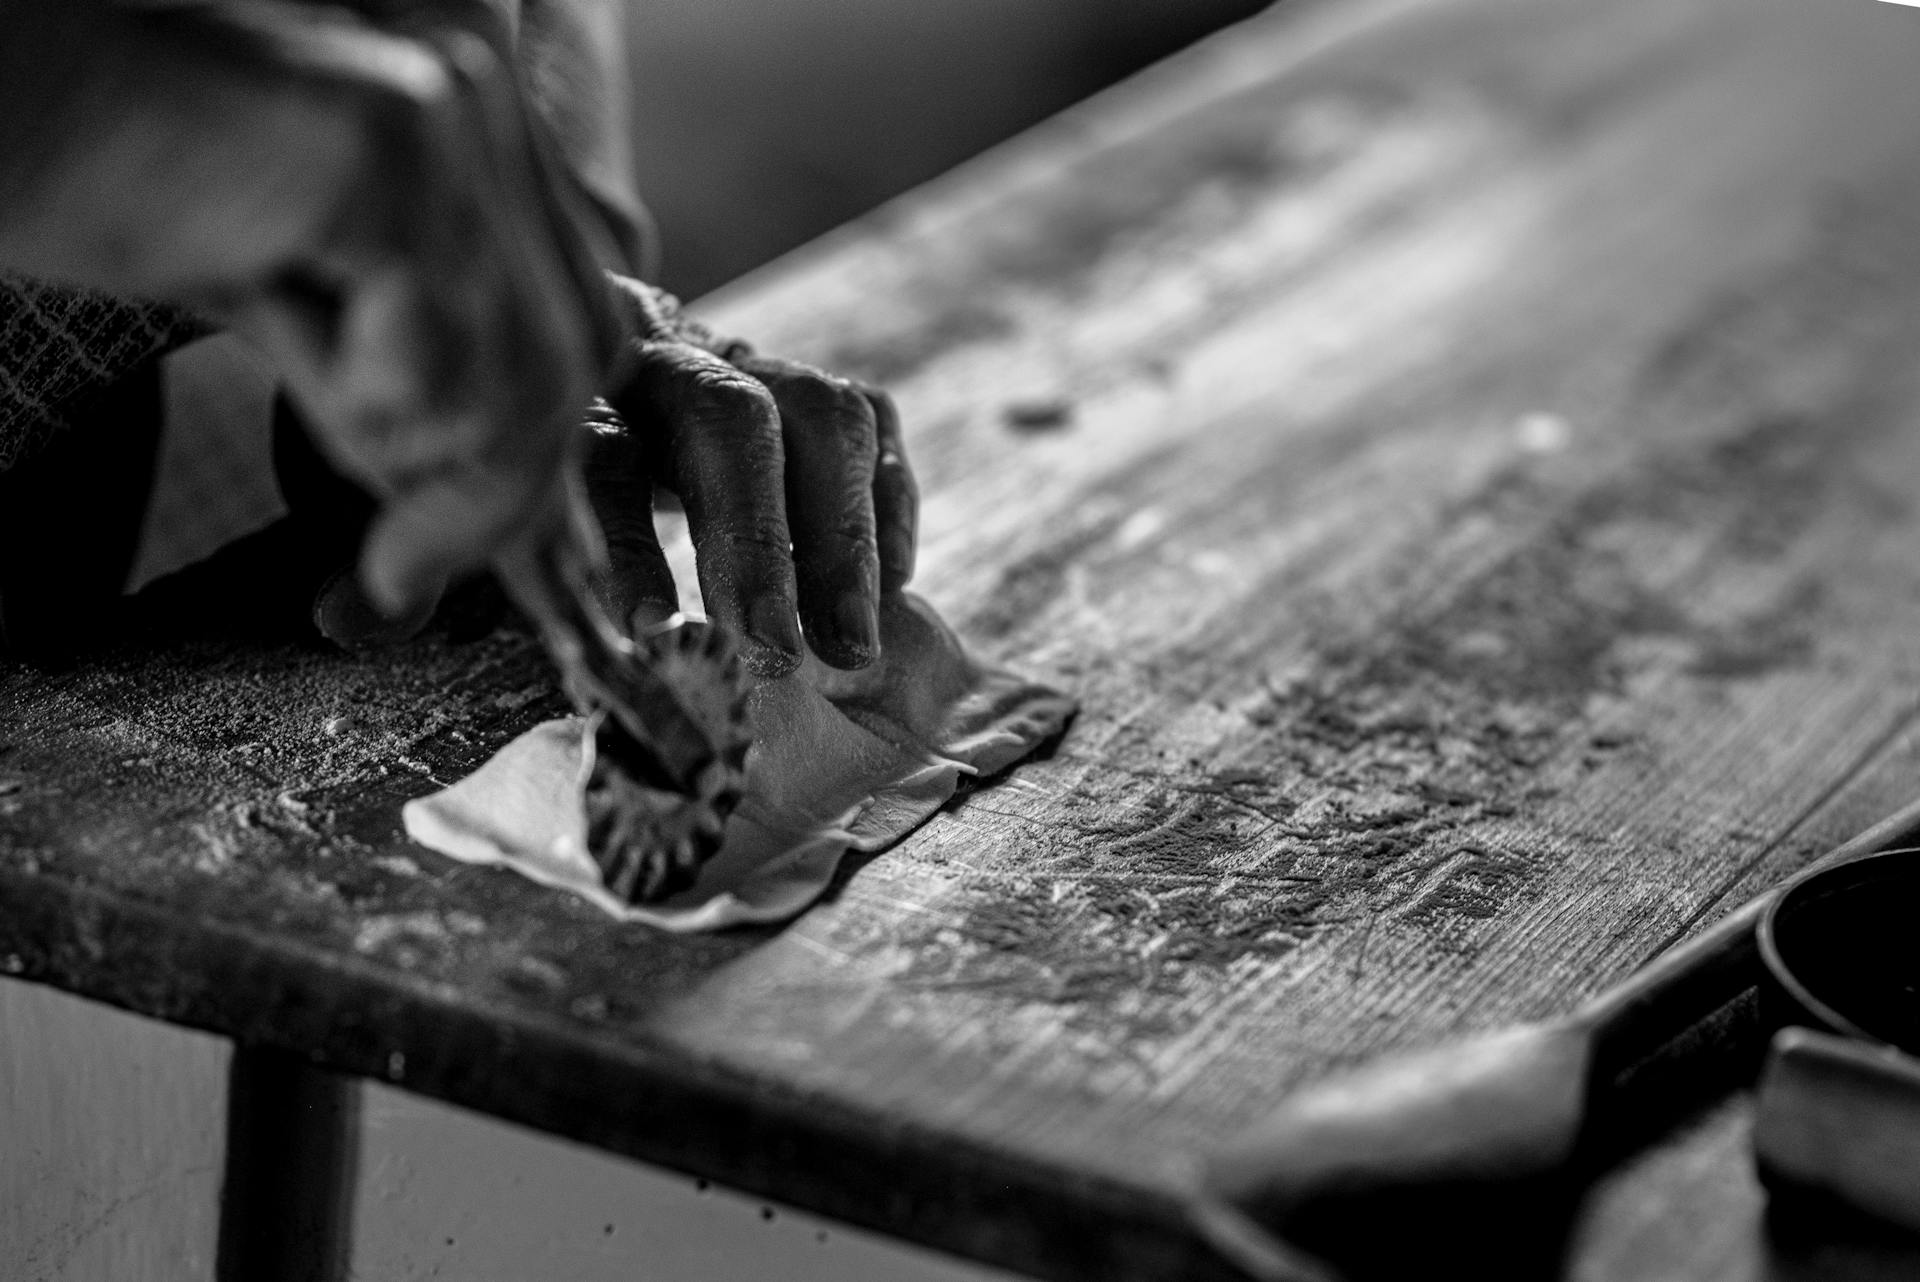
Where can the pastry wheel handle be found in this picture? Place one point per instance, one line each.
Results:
(666, 719)
(549, 573)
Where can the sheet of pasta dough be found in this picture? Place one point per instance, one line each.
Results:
(840, 761)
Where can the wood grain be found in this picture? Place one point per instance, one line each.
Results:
(1477, 517)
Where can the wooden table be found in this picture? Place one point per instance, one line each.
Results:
(1464, 457)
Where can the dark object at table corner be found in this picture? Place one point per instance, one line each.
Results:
(1837, 1118)
(1528, 1113)
(1840, 954)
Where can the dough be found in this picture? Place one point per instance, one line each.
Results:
(840, 760)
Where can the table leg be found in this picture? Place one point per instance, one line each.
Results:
(286, 1197)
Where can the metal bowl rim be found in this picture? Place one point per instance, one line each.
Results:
(1840, 879)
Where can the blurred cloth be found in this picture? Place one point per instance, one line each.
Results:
(78, 361)
(840, 761)
(170, 424)
(213, 478)
(61, 347)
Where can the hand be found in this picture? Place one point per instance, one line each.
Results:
(796, 486)
(723, 425)
(378, 212)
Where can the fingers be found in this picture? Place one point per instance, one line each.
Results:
(798, 495)
(327, 516)
(896, 495)
(637, 588)
(828, 433)
(727, 461)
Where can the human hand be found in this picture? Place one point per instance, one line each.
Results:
(798, 495)
(859, 494)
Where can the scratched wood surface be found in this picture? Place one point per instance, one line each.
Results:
(1463, 456)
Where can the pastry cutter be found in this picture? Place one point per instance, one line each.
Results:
(666, 711)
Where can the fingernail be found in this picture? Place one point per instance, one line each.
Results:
(856, 633)
(772, 623)
(347, 617)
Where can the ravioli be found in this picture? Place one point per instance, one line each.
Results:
(840, 761)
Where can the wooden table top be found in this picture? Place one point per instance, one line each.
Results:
(1462, 455)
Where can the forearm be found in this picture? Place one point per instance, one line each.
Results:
(574, 55)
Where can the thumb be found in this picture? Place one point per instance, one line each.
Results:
(328, 515)
(347, 616)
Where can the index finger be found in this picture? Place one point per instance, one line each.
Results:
(636, 585)
(729, 467)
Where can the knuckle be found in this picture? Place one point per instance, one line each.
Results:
(886, 414)
(855, 539)
(838, 549)
(611, 455)
(758, 540)
(719, 395)
(816, 398)
(892, 476)
(747, 550)
(773, 369)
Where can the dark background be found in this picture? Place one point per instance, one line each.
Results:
(762, 123)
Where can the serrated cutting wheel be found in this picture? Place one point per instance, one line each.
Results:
(668, 713)
(650, 835)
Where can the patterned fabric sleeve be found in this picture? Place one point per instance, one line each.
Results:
(58, 345)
